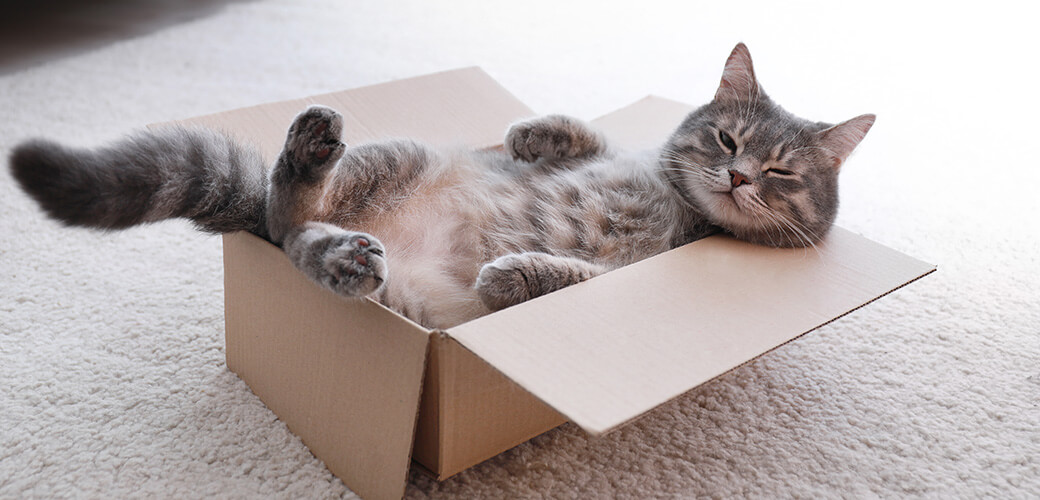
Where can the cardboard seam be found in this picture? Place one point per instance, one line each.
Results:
(415, 421)
(442, 411)
(441, 477)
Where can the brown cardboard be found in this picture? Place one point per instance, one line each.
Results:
(644, 124)
(462, 107)
(471, 412)
(343, 375)
(340, 372)
(636, 337)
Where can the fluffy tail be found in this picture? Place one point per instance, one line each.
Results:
(174, 172)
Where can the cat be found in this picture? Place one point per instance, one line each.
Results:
(463, 233)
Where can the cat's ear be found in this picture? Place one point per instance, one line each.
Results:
(842, 138)
(738, 79)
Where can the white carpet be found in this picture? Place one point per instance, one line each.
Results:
(112, 374)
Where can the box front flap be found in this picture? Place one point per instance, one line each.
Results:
(607, 350)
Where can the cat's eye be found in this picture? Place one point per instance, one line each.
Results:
(780, 171)
(728, 142)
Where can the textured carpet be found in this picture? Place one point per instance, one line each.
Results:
(112, 374)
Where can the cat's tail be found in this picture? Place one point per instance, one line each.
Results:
(194, 173)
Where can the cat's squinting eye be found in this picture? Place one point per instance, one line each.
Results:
(780, 171)
(728, 142)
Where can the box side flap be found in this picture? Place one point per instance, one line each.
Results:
(470, 412)
(644, 124)
(311, 356)
(483, 413)
(609, 349)
(344, 375)
(463, 107)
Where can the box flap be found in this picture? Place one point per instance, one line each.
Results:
(607, 350)
(463, 107)
(645, 124)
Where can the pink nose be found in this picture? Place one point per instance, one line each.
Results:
(737, 178)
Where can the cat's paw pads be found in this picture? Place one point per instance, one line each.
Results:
(503, 283)
(314, 138)
(355, 266)
(534, 139)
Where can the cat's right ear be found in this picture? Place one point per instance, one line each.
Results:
(738, 79)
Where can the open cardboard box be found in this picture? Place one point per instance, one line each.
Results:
(368, 390)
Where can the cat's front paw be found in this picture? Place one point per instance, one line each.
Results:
(354, 265)
(313, 144)
(553, 136)
(502, 283)
(535, 139)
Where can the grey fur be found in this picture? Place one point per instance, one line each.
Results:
(462, 233)
(554, 137)
(515, 278)
(174, 172)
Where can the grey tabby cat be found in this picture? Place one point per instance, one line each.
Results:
(462, 233)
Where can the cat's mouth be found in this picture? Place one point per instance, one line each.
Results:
(734, 206)
(731, 207)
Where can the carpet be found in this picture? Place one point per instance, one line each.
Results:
(112, 375)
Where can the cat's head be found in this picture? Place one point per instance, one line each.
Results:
(757, 171)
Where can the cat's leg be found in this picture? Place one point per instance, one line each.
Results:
(553, 137)
(349, 263)
(297, 184)
(515, 278)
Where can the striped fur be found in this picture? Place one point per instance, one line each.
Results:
(445, 236)
(151, 176)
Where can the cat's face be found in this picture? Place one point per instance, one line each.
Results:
(756, 170)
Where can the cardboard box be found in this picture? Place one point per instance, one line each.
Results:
(368, 390)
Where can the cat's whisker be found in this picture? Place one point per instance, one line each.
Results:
(763, 216)
(805, 236)
(763, 209)
(676, 158)
(800, 230)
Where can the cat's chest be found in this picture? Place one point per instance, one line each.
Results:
(605, 212)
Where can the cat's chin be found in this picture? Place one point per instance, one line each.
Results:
(729, 211)
(726, 211)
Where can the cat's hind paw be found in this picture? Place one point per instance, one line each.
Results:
(502, 283)
(515, 278)
(313, 144)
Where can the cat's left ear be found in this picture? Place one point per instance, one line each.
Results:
(842, 138)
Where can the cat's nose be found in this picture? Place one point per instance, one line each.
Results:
(737, 178)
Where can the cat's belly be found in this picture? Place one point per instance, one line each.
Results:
(432, 263)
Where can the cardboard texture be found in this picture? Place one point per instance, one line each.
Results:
(345, 375)
(640, 336)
